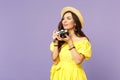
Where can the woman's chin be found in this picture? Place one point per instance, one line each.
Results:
(66, 28)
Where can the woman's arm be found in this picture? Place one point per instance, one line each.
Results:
(55, 53)
(78, 58)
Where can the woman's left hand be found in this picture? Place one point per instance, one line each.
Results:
(66, 39)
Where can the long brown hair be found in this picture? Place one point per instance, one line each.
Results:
(78, 32)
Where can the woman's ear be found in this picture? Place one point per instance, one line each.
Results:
(75, 24)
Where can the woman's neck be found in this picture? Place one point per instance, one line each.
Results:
(72, 34)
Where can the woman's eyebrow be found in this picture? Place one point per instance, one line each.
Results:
(67, 16)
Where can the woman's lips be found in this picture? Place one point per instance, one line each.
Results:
(65, 25)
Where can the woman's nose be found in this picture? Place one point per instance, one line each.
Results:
(64, 21)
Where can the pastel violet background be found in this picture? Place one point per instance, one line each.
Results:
(25, 34)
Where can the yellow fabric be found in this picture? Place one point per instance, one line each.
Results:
(67, 69)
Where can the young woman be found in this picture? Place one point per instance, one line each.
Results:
(69, 53)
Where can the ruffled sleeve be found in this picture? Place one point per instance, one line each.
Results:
(51, 46)
(84, 47)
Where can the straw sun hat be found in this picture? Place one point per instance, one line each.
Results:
(75, 11)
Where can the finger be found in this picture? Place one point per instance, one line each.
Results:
(66, 35)
(54, 34)
(59, 38)
(54, 31)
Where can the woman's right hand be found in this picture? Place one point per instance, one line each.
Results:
(54, 36)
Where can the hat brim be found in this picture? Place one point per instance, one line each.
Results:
(75, 11)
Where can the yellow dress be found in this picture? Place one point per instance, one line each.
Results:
(67, 69)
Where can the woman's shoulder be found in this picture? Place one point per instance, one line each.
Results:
(83, 38)
(82, 42)
(80, 39)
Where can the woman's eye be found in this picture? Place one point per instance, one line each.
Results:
(68, 18)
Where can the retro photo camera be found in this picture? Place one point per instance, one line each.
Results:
(63, 33)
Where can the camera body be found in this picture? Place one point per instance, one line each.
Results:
(62, 33)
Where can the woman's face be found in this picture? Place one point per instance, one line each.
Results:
(68, 21)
